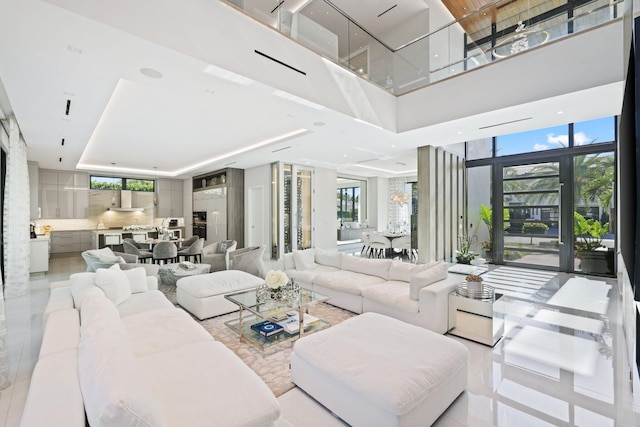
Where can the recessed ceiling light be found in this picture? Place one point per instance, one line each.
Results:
(560, 112)
(459, 132)
(150, 72)
(435, 56)
(346, 155)
(393, 145)
(319, 124)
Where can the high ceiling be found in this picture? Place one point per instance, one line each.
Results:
(146, 99)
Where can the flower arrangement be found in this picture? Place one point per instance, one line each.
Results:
(278, 287)
(464, 255)
(276, 279)
(473, 278)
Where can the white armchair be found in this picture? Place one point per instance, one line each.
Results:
(214, 255)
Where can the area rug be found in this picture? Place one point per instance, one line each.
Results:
(271, 365)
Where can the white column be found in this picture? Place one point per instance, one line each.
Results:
(16, 215)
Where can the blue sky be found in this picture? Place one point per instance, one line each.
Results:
(600, 130)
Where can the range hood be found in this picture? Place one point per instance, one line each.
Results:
(125, 203)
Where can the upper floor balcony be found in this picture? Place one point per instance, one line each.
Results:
(405, 54)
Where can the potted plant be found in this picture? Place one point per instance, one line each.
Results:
(464, 255)
(486, 215)
(588, 246)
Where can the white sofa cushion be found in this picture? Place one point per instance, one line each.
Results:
(59, 299)
(328, 258)
(437, 272)
(114, 283)
(61, 333)
(205, 383)
(305, 259)
(403, 271)
(346, 281)
(83, 288)
(144, 301)
(307, 276)
(54, 397)
(393, 294)
(113, 387)
(289, 262)
(372, 267)
(137, 278)
(178, 329)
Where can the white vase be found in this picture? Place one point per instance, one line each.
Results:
(474, 286)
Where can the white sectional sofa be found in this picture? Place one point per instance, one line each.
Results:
(414, 293)
(124, 355)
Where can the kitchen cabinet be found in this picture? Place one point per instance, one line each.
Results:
(64, 195)
(39, 256)
(72, 241)
(170, 198)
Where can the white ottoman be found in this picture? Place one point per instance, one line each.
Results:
(203, 295)
(373, 370)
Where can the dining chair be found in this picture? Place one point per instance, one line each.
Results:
(165, 251)
(189, 242)
(379, 244)
(194, 250)
(132, 248)
(366, 245)
(403, 244)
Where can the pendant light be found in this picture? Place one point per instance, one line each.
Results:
(155, 187)
(113, 189)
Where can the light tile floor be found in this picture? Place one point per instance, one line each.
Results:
(558, 365)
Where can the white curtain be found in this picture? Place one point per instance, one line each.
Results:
(4, 350)
(16, 215)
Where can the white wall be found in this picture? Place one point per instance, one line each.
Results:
(259, 176)
(377, 202)
(324, 219)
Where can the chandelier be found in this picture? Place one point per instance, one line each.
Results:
(400, 198)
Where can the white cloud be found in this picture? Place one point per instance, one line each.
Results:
(581, 139)
(562, 140)
(540, 147)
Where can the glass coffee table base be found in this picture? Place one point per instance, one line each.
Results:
(254, 338)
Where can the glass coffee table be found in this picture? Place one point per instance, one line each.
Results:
(278, 312)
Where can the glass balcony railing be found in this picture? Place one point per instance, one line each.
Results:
(497, 30)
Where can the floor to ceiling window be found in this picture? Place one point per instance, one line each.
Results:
(545, 198)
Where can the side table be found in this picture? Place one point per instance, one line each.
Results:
(479, 320)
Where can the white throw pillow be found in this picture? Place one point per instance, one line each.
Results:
(98, 253)
(404, 271)
(438, 272)
(304, 259)
(289, 262)
(113, 388)
(83, 288)
(137, 279)
(114, 283)
(328, 258)
(372, 267)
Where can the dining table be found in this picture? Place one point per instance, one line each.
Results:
(152, 242)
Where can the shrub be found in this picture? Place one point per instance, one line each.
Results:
(534, 228)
